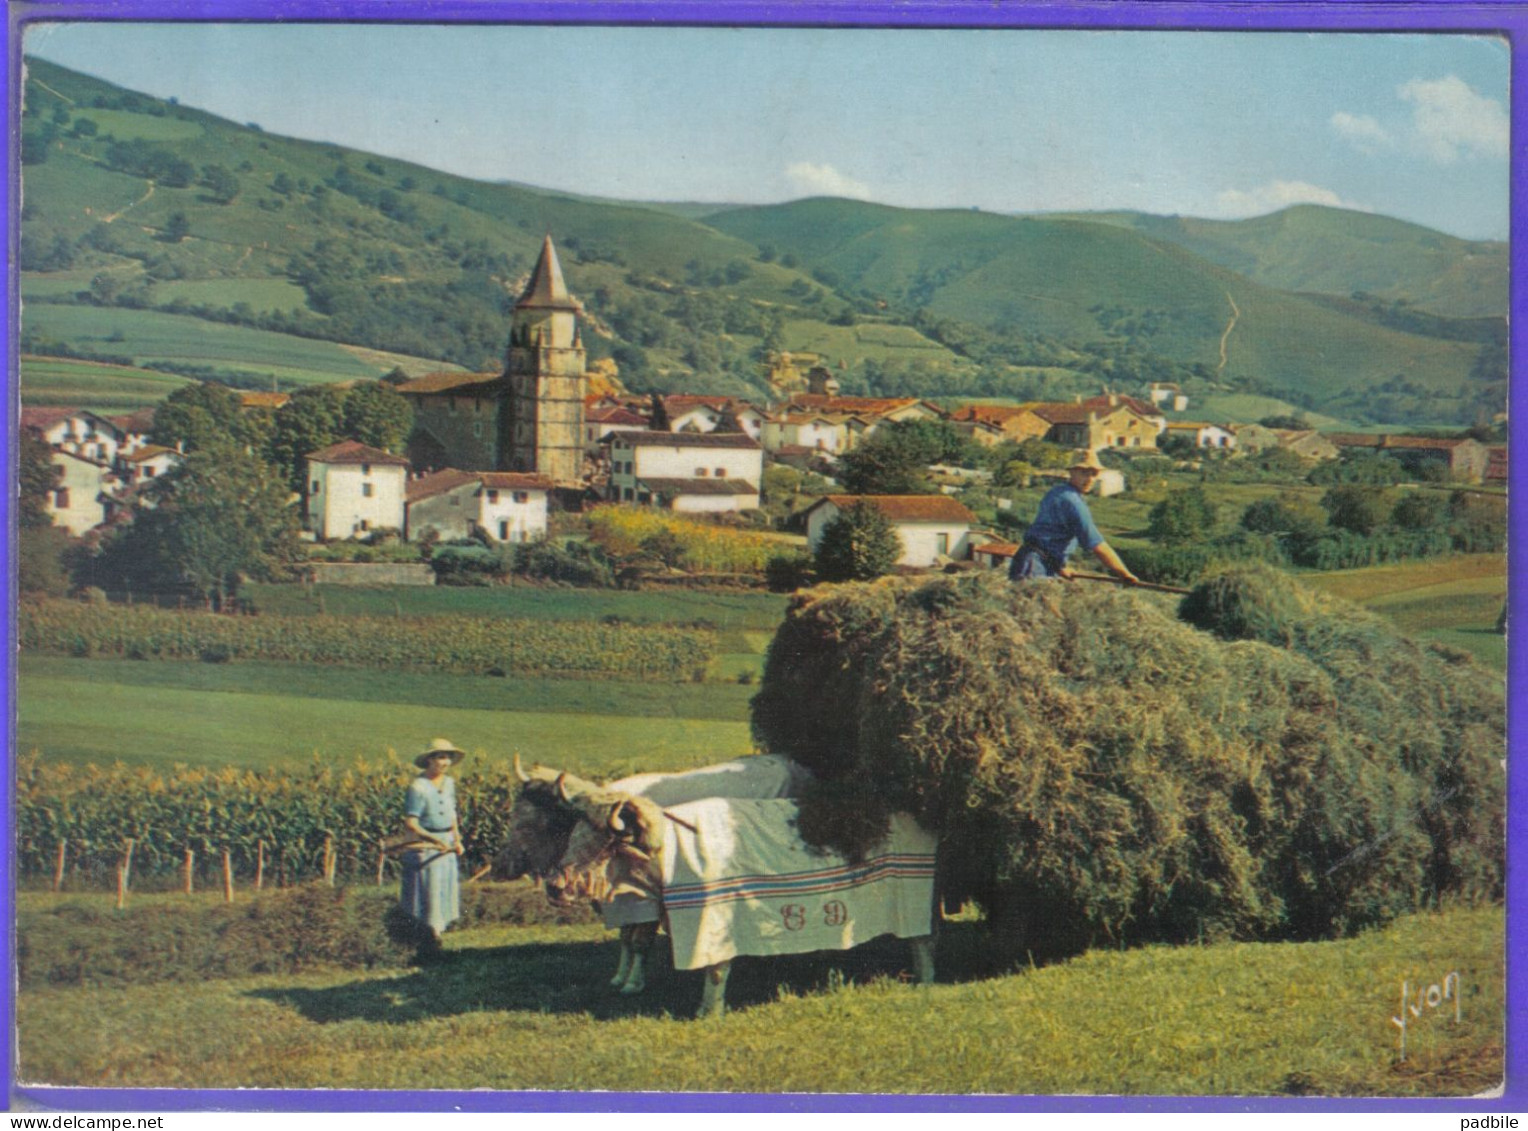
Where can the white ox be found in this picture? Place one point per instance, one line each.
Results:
(734, 878)
(543, 820)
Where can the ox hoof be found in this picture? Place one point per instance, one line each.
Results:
(631, 989)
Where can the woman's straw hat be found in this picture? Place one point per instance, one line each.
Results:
(439, 746)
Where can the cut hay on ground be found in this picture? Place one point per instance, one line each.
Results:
(1101, 771)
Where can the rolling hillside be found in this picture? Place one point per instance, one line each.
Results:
(139, 211)
(1333, 251)
(1079, 280)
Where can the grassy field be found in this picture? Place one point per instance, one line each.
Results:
(268, 714)
(521, 1008)
(147, 335)
(93, 385)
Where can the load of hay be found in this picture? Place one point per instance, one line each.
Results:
(1274, 764)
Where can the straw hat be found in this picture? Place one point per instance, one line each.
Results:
(1085, 457)
(439, 746)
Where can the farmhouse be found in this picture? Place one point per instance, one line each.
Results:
(353, 489)
(77, 431)
(1103, 426)
(147, 462)
(992, 424)
(1203, 435)
(931, 527)
(83, 495)
(1465, 459)
(712, 471)
(508, 506)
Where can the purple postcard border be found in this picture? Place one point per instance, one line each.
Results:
(1507, 18)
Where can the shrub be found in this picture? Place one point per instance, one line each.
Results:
(1100, 771)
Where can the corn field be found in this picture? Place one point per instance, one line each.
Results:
(458, 644)
(702, 547)
(292, 826)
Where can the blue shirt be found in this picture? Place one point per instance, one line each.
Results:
(435, 806)
(1062, 522)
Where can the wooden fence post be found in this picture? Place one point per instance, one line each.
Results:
(58, 865)
(127, 862)
(227, 878)
(190, 869)
(329, 860)
(381, 864)
(259, 865)
(121, 887)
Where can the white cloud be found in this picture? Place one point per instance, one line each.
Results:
(1363, 131)
(824, 180)
(1452, 121)
(1237, 204)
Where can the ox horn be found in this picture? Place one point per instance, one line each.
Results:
(562, 787)
(520, 770)
(617, 823)
(626, 849)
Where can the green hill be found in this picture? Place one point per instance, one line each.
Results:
(1334, 251)
(145, 219)
(1080, 281)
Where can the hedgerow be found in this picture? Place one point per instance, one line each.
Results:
(1100, 771)
(464, 644)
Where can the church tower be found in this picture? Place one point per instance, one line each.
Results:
(545, 373)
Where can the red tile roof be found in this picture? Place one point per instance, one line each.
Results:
(148, 452)
(353, 451)
(436, 483)
(874, 406)
(45, 417)
(908, 508)
(263, 400)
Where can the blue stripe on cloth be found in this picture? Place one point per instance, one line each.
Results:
(893, 866)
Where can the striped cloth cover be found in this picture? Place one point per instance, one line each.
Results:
(758, 775)
(744, 883)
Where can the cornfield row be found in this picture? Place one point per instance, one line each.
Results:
(462, 644)
(702, 547)
(292, 825)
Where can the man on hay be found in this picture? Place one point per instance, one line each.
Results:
(1062, 522)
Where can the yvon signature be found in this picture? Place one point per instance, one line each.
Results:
(1417, 1003)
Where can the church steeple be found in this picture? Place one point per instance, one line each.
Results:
(547, 290)
(545, 371)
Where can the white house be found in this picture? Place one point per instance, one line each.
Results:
(686, 471)
(931, 527)
(82, 495)
(353, 488)
(147, 462)
(1168, 395)
(691, 412)
(77, 431)
(1203, 435)
(830, 432)
(510, 506)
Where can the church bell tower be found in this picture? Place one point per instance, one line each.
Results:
(545, 372)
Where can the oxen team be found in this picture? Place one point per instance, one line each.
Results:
(713, 854)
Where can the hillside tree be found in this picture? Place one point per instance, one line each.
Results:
(313, 419)
(1185, 515)
(378, 415)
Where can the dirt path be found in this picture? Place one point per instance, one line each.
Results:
(134, 204)
(1226, 335)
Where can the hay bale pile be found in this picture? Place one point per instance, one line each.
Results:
(1101, 771)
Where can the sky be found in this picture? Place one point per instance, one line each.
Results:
(1222, 125)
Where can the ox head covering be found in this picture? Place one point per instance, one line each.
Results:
(439, 746)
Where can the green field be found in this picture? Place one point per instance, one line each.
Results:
(253, 715)
(93, 385)
(147, 335)
(522, 1008)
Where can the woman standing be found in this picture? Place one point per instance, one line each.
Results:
(430, 883)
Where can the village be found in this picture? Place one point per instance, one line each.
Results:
(493, 455)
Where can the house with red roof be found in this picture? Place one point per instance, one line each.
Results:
(353, 489)
(686, 471)
(508, 506)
